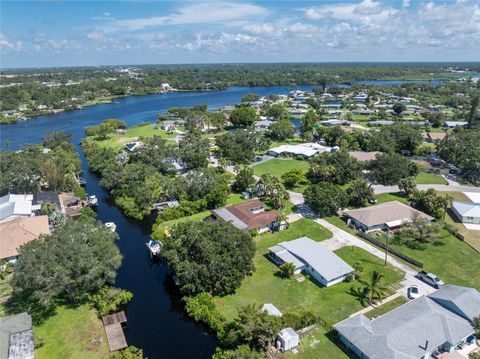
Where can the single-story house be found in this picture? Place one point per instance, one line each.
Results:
(287, 339)
(15, 205)
(467, 212)
(313, 258)
(433, 136)
(335, 122)
(380, 123)
(362, 156)
(361, 97)
(385, 216)
(303, 150)
(19, 231)
(416, 329)
(16, 337)
(132, 146)
(168, 204)
(39, 198)
(263, 125)
(271, 310)
(248, 216)
(451, 124)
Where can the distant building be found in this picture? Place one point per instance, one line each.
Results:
(433, 136)
(16, 337)
(451, 124)
(386, 216)
(40, 198)
(313, 258)
(303, 150)
(19, 231)
(363, 156)
(248, 216)
(467, 212)
(133, 146)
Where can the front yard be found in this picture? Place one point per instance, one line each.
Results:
(332, 304)
(277, 167)
(430, 178)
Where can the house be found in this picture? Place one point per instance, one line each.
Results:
(120, 131)
(16, 337)
(362, 156)
(19, 231)
(15, 205)
(303, 150)
(287, 339)
(39, 198)
(168, 204)
(262, 125)
(335, 122)
(451, 124)
(248, 216)
(433, 136)
(380, 123)
(132, 146)
(416, 329)
(385, 216)
(467, 212)
(313, 258)
(271, 310)
(361, 97)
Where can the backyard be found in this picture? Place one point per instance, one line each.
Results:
(332, 304)
(429, 178)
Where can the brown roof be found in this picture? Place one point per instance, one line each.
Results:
(434, 136)
(385, 213)
(364, 156)
(20, 231)
(425, 164)
(243, 211)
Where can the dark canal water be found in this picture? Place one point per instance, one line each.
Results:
(156, 322)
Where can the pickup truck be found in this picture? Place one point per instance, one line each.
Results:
(430, 278)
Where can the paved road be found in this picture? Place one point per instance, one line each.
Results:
(341, 239)
(439, 187)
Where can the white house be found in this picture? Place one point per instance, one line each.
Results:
(287, 339)
(313, 258)
(467, 212)
(304, 150)
(16, 205)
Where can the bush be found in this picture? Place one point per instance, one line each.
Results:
(110, 299)
(203, 309)
(130, 352)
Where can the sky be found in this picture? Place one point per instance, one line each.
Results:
(48, 33)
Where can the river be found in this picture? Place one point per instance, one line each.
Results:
(156, 322)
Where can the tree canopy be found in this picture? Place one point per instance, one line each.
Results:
(325, 198)
(243, 116)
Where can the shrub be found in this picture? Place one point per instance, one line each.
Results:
(203, 309)
(109, 299)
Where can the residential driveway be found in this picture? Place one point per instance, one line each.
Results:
(296, 198)
(341, 239)
(261, 159)
(439, 187)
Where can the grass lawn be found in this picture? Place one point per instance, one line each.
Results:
(388, 197)
(386, 307)
(340, 223)
(429, 178)
(72, 333)
(278, 167)
(133, 134)
(454, 261)
(332, 304)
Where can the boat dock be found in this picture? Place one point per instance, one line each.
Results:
(113, 325)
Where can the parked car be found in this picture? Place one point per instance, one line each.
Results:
(413, 292)
(430, 278)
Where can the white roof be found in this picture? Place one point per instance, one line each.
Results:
(15, 205)
(271, 310)
(319, 257)
(467, 209)
(305, 149)
(287, 333)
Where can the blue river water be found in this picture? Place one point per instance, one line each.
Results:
(156, 321)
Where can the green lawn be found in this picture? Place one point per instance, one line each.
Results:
(340, 223)
(133, 134)
(278, 167)
(385, 308)
(72, 334)
(454, 261)
(388, 197)
(430, 178)
(332, 304)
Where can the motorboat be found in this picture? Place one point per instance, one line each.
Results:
(92, 200)
(110, 225)
(154, 247)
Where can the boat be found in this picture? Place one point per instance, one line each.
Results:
(92, 200)
(82, 181)
(110, 225)
(154, 247)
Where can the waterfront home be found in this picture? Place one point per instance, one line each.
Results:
(16, 337)
(132, 146)
(466, 212)
(16, 205)
(248, 216)
(40, 198)
(168, 204)
(313, 258)
(385, 216)
(429, 325)
(303, 150)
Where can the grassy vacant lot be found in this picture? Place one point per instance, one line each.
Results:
(386, 307)
(332, 304)
(454, 261)
(388, 197)
(133, 134)
(278, 167)
(430, 178)
(72, 333)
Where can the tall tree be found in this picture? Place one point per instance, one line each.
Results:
(325, 198)
(243, 116)
(360, 192)
(194, 150)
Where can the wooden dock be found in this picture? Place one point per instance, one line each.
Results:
(114, 330)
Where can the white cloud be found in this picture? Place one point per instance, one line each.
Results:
(8, 44)
(201, 13)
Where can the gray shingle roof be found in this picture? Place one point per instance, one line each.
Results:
(463, 300)
(404, 331)
(323, 260)
(467, 209)
(16, 337)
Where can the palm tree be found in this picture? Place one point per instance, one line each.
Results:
(374, 290)
(48, 208)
